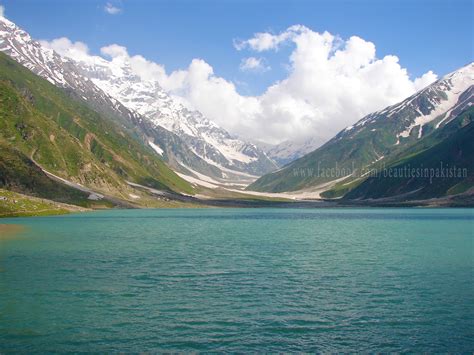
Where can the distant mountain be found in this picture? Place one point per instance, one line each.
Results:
(185, 139)
(288, 151)
(377, 137)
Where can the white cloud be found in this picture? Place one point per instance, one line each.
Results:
(253, 64)
(264, 41)
(142, 67)
(145, 68)
(114, 51)
(111, 9)
(65, 47)
(425, 80)
(2, 11)
(331, 84)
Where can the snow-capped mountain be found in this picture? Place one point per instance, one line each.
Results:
(58, 70)
(287, 151)
(186, 139)
(204, 138)
(379, 135)
(413, 113)
(428, 109)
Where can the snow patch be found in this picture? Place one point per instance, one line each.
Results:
(199, 175)
(459, 82)
(156, 148)
(196, 181)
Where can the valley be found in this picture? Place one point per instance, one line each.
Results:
(92, 132)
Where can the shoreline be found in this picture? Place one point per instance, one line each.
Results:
(9, 230)
(465, 200)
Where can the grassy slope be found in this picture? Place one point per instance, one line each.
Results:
(307, 171)
(455, 150)
(13, 204)
(349, 150)
(72, 141)
(344, 187)
(18, 173)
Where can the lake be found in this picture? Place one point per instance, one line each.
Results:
(240, 280)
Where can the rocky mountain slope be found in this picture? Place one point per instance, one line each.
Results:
(378, 136)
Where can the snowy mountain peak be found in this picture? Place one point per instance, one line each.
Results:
(146, 97)
(58, 70)
(433, 105)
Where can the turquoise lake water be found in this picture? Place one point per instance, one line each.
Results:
(240, 280)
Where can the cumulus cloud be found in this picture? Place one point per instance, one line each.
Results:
(425, 80)
(253, 64)
(331, 84)
(111, 9)
(65, 47)
(264, 41)
(2, 11)
(114, 51)
(146, 69)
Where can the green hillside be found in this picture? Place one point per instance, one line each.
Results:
(19, 173)
(375, 137)
(70, 140)
(425, 170)
(13, 204)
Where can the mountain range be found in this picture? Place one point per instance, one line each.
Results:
(188, 141)
(378, 138)
(92, 132)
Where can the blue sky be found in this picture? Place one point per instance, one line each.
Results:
(425, 35)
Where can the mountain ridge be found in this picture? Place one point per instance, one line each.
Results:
(44, 130)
